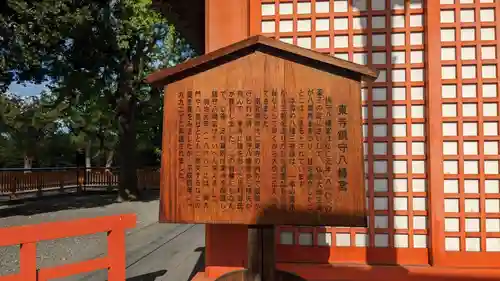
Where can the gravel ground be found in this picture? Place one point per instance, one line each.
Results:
(73, 249)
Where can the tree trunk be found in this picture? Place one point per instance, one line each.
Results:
(88, 157)
(109, 159)
(128, 189)
(28, 163)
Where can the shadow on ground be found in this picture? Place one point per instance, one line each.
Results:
(89, 199)
(148, 276)
(200, 264)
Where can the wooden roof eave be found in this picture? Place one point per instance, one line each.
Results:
(263, 43)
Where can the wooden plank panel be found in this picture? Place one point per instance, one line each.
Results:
(230, 158)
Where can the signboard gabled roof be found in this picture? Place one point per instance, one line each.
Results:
(264, 44)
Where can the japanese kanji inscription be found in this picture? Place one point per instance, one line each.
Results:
(263, 139)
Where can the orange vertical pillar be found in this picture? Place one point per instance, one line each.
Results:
(434, 129)
(226, 22)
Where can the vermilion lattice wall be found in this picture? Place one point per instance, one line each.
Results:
(466, 89)
(431, 126)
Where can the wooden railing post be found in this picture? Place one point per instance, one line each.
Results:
(116, 255)
(13, 187)
(78, 182)
(39, 189)
(40, 181)
(28, 261)
(86, 175)
(61, 182)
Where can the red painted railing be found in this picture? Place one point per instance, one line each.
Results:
(28, 235)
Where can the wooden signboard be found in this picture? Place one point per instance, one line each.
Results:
(263, 133)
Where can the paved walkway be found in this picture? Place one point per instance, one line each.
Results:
(155, 252)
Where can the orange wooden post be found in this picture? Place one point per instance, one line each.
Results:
(28, 261)
(434, 142)
(116, 254)
(225, 244)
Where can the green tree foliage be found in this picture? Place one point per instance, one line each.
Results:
(32, 36)
(96, 55)
(29, 123)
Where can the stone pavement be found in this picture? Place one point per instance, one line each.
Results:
(155, 252)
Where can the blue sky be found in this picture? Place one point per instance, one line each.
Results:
(27, 90)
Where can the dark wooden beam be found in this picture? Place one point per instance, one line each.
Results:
(188, 16)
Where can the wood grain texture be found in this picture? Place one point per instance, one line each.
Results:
(256, 140)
